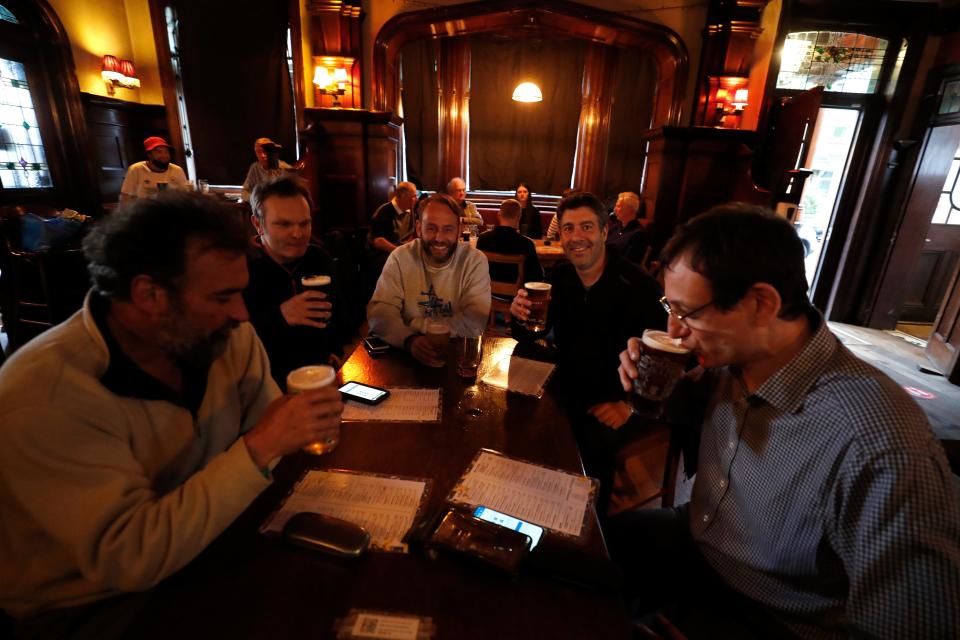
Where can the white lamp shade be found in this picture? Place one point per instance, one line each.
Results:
(321, 77)
(527, 92)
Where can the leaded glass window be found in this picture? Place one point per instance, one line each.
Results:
(948, 208)
(838, 61)
(23, 162)
(7, 15)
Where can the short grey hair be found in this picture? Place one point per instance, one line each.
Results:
(630, 198)
(405, 188)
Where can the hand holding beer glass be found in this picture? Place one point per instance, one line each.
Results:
(308, 379)
(530, 305)
(650, 368)
(311, 307)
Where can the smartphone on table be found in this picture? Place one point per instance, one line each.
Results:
(375, 345)
(509, 522)
(365, 393)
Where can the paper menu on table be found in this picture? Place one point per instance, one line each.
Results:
(554, 499)
(403, 405)
(384, 506)
(520, 375)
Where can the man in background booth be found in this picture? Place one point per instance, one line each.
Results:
(433, 278)
(268, 167)
(505, 238)
(457, 189)
(626, 236)
(156, 174)
(297, 326)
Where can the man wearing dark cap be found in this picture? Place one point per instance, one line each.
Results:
(155, 174)
(267, 168)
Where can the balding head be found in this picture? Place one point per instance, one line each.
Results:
(628, 203)
(509, 213)
(457, 189)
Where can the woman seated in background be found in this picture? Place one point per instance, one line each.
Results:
(530, 225)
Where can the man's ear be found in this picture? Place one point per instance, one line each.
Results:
(256, 224)
(147, 295)
(767, 303)
(417, 227)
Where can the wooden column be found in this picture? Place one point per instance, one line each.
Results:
(593, 134)
(727, 55)
(351, 162)
(454, 108)
(335, 40)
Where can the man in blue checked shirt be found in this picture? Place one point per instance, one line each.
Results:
(823, 505)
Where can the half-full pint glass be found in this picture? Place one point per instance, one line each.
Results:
(660, 367)
(538, 293)
(307, 379)
(438, 333)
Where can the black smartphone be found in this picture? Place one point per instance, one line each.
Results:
(375, 345)
(364, 393)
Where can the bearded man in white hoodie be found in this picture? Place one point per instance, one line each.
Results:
(435, 277)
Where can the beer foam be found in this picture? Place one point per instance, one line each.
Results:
(661, 340)
(537, 286)
(315, 281)
(437, 327)
(311, 377)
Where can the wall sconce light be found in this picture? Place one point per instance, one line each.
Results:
(118, 73)
(332, 79)
(729, 97)
(527, 92)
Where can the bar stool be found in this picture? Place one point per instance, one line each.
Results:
(28, 293)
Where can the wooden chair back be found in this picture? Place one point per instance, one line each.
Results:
(502, 293)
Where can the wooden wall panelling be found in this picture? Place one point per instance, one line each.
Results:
(593, 135)
(728, 43)
(453, 71)
(335, 31)
(689, 170)
(350, 164)
(116, 130)
(943, 347)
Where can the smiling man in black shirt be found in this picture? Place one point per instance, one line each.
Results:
(596, 298)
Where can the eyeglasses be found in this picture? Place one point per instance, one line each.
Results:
(682, 317)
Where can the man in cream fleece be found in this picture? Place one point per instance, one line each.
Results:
(135, 432)
(433, 277)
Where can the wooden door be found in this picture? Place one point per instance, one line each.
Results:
(943, 347)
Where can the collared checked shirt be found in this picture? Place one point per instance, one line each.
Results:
(825, 497)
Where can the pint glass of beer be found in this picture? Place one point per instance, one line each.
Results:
(308, 379)
(538, 293)
(438, 333)
(316, 283)
(468, 356)
(660, 367)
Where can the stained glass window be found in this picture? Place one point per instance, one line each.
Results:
(841, 62)
(948, 208)
(6, 15)
(23, 163)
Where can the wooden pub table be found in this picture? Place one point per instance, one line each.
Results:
(246, 585)
(549, 254)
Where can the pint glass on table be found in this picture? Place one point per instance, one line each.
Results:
(308, 379)
(538, 293)
(438, 333)
(659, 368)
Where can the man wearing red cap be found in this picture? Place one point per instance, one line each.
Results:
(155, 174)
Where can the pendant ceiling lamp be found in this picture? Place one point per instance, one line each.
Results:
(527, 92)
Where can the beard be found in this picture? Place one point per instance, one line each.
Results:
(448, 247)
(189, 344)
(162, 166)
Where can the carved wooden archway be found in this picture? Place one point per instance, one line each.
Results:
(556, 18)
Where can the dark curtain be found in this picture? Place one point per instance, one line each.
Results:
(235, 81)
(512, 142)
(634, 86)
(418, 91)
